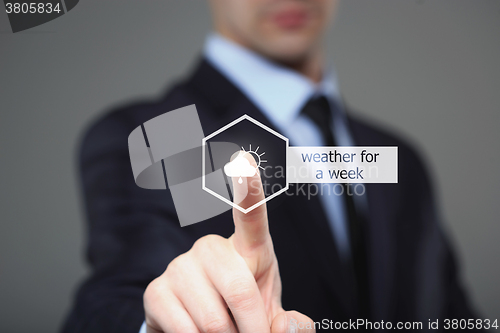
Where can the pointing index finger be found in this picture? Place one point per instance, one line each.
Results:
(251, 228)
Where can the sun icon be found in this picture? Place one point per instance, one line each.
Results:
(257, 157)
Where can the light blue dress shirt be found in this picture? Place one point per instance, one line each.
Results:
(281, 93)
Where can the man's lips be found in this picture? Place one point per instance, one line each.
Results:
(290, 19)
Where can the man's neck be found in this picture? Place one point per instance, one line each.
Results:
(310, 65)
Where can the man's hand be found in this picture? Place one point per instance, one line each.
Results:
(225, 285)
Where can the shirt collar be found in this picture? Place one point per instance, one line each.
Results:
(279, 92)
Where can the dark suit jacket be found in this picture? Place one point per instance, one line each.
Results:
(133, 233)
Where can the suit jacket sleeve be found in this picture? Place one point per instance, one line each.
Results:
(132, 233)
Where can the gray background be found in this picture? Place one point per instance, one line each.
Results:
(427, 68)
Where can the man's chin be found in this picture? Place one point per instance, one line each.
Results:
(286, 53)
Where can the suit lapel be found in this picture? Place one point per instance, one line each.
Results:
(381, 250)
(380, 216)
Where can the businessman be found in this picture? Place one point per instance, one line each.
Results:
(282, 268)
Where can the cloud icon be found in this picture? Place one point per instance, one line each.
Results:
(239, 167)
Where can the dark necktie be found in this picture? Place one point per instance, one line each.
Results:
(319, 110)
